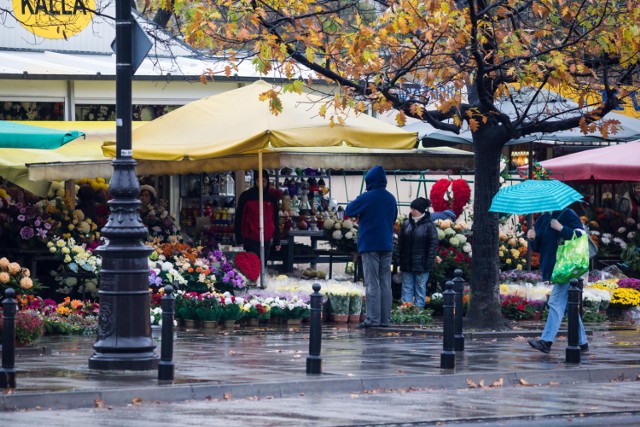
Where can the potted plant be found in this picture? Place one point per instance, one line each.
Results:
(339, 307)
(232, 309)
(355, 306)
(186, 308)
(208, 310)
(295, 310)
(29, 327)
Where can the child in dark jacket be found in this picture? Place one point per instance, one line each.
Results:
(417, 246)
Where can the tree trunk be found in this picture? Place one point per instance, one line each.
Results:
(484, 305)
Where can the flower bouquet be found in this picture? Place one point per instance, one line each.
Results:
(342, 234)
(296, 309)
(12, 275)
(625, 298)
(228, 279)
(76, 258)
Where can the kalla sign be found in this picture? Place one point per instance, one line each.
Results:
(54, 19)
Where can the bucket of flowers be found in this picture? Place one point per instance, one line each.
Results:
(623, 302)
(186, 307)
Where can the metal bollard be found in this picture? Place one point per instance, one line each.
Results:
(166, 366)
(314, 361)
(458, 339)
(448, 356)
(573, 350)
(8, 370)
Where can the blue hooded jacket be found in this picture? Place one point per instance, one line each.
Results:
(376, 210)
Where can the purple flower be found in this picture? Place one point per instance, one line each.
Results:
(37, 222)
(26, 233)
(22, 218)
(47, 226)
(42, 233)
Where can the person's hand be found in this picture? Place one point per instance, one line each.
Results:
(531, 234)
(278, 248)
(555, 224)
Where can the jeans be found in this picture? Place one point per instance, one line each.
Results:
(557, 305)
(377, 279)
(414, 285)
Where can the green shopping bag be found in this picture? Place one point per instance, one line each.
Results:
(572, 259)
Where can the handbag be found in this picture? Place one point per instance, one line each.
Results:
(572, 259)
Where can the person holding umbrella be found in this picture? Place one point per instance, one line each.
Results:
(557, 223)
(549, 229)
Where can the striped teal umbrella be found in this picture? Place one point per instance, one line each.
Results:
(532, 196)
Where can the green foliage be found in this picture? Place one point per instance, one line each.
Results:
(409, 313)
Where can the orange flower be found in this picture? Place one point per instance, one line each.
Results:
(75, 304)
(190, 270)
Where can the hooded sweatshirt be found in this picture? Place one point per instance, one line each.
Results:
(376, 211)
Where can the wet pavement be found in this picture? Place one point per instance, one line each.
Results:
(258, 364)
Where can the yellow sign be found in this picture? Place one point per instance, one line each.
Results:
(54, 19)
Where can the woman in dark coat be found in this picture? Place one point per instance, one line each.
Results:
(417, 245)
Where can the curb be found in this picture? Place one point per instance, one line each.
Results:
(311, 385)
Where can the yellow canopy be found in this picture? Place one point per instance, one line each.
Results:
(236, 121)
(13, 161)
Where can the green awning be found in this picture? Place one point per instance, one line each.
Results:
(17, 135)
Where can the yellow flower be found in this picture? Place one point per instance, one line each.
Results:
(508, 261)
(63, 310)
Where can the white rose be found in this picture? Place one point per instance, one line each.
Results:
(347, 224)
(440, 234)
(449, 232)
(348, 235)
(328, 224)
(454, 241)
(337, 235)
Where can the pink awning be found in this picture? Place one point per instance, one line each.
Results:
(615, 163)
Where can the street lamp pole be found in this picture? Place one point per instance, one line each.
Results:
(124, 328)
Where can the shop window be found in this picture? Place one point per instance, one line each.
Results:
(107, 112)
(24, 110)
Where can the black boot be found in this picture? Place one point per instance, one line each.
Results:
(543, 346)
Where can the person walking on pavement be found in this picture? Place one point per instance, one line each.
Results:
(417, 245)
(247, 220)
(376, 211)
(548, 231)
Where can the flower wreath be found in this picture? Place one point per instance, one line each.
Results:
(456, 199)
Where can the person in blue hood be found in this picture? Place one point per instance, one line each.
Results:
(376, 211)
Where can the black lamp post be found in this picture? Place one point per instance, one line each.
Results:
(124, 329)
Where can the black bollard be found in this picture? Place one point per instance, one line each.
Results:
(166, 366)
(314, 361)
(581, 289)
(573, 350)
(458, 336)
(8, 370)
(448, 356)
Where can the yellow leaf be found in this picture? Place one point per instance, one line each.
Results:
(473, 125)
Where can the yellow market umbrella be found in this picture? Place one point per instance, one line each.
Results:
(237, 121)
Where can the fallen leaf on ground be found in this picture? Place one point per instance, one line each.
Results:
(136, 401)
(227, 396)
(98, 403)
(498, 383)
(523, 382)
(471, 384)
